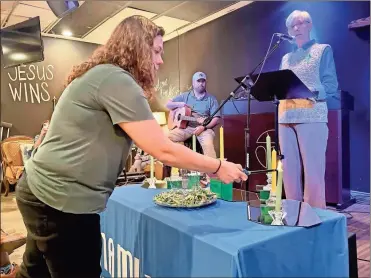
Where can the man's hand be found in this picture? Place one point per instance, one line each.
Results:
(201, 120)
(43, 131)
(181, 104)
(137, 157)
(199, 130)
(45, 128)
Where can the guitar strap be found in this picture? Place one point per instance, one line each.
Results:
(187, 97)
(186, 102)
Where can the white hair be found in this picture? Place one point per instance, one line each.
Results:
(298, 14)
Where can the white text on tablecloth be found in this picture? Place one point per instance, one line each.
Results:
(127, 264)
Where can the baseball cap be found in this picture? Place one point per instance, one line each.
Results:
(198, 75)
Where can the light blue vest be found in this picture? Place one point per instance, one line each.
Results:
(305, 63)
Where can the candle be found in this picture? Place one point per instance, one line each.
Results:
(221, 130)
(152, 167)
(279, 186)
(194, 142)
(274, 174)
(54, 99)
(268, 151)
(174, 171)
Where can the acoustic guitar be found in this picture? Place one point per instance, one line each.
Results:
(180, 118)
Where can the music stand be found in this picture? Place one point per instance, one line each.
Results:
(275, 86)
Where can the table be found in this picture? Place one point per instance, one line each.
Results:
(141, 239)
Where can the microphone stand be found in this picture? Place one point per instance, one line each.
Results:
(248, 88)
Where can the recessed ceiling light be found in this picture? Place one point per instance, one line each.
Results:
(18, 56)
(67, 33)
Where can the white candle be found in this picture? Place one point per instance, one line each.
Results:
(54, 99)
(152, 167)
(194, 143)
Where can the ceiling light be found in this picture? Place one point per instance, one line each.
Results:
(18, 56)
(67, 33)
(5, 50)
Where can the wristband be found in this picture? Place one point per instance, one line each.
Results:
(220, 164)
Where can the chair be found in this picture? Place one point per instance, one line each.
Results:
(12, 159)
(6, 126)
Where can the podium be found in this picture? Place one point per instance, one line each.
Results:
(262, 121)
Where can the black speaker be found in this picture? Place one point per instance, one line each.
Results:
(353, 263)
(62, 8)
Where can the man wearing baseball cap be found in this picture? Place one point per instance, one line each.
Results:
(202, 105)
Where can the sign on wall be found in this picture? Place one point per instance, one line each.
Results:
(28, 92)
(30, 83)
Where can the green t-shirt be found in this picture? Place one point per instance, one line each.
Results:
(75, 167)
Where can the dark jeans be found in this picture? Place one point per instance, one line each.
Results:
(59, 244)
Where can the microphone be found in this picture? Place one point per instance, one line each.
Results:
(285, 37)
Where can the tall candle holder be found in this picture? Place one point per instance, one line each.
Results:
(277, 217)
(268, 187)
(152, 183)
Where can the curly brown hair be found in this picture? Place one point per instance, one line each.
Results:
(129, 47)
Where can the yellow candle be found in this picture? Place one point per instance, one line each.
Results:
(174, 171)
(279, 186)
(268, 151)
(194, 143)
(221, 148)
(152, 167)
(274, 174)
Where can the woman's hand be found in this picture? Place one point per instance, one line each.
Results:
(230, 172)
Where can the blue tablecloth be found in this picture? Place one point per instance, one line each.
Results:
(141, 238)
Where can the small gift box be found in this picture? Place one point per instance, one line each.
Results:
(174, 182)
(223, 191)
(264, 194)
(265, 217)
(194, 180)
(216, 187)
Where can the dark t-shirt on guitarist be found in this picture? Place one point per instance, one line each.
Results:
(202, 107)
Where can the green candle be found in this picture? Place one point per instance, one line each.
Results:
(279, 186)
(268, 152)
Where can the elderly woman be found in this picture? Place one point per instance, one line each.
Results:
(303, 130)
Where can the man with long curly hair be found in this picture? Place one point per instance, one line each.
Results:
(71, 175)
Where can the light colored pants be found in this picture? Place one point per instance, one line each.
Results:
(138, 165)
(206, 138)
(304, 146)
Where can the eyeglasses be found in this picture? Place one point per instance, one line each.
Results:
(300, 23)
